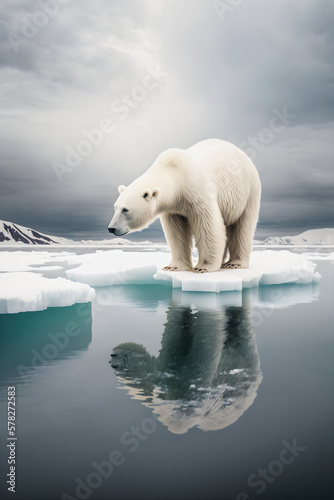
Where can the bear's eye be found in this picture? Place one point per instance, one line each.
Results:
(124, 210)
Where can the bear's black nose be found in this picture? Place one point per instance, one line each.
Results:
(111, 230)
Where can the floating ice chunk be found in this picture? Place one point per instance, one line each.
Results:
(20, 261)
(21, 292)
(278, 267)
(266, 268)
(115, 267)
(319, 256)
(210, 282)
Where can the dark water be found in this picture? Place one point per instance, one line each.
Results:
(207, 396)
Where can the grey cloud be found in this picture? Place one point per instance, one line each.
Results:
(224, 79)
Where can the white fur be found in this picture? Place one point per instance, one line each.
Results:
(210, 191)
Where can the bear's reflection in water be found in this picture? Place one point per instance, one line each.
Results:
(207, 372)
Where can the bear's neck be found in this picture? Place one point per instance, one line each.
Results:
(170, 197)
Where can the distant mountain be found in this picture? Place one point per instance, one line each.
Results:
(11, 233)
(14, 233)
(310, 237)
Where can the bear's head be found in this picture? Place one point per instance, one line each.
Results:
(135, 209)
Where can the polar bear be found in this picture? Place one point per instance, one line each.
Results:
(209, 192)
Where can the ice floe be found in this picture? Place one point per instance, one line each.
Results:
(25, 291)
(28, 260)
(115, 267)
(266, 268)
(319, 256)
(26, 284)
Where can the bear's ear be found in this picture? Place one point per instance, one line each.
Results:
(121, 188)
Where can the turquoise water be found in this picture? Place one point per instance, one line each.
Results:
(154, 394)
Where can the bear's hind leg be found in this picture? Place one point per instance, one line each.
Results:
(210, 236)
(179, 238)
(240, 237)
(240, 246)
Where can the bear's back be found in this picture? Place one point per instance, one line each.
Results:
(219, 153)
(220, 159)
(230, 170)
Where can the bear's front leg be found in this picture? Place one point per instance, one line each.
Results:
(210, 237)
(179, 238)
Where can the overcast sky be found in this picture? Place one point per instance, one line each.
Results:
(154, 74)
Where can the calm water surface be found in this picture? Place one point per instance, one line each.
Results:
(153, 394)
